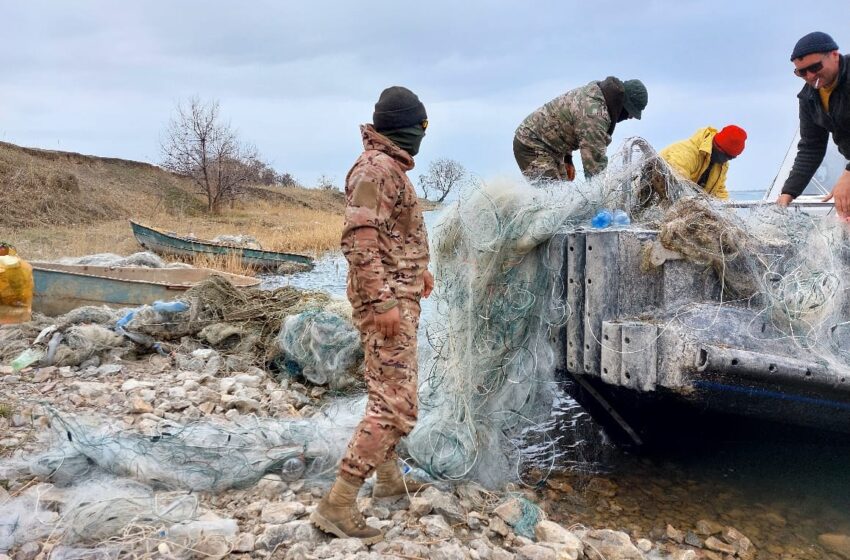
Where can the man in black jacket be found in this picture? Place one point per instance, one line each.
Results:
(824, 108)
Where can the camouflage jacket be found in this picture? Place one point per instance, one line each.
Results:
(379, 197)
(576, 120)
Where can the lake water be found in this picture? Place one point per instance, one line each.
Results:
(781, 492)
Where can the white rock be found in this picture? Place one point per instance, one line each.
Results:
(498, 526)
(445, 504)
(294, 531)
(244, 406)
(341, 548)
(550, 531)
(510, 511)
(248, 380)
(109, 369)
(282, 512)
(535, 552)
(227, 384)
(204, 353)
(90, 389)
(450, 551)
(133, 384)
(244, 543)
(610, 545)
(191, 385)
(213, 366)
(139, 406)
(177, 393)
(436, 526)
(502, 554)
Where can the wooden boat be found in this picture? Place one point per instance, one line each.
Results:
(170, 244)
(60, 288)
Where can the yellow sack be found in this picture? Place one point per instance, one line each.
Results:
(16, 288)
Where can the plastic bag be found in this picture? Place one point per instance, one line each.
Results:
(16, 287)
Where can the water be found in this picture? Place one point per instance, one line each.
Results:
(328, 275)
(781, 493)
(750, 194)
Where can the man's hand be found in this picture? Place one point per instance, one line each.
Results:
(841, 194)
(388, 323)
(784, 200)
(571, 172)
(428, 280)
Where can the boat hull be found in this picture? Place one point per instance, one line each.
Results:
(61, 288)
(172, 245)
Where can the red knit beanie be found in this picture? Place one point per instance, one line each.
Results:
(731, 140)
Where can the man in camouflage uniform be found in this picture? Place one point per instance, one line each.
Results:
(386, 245)
(582, 119)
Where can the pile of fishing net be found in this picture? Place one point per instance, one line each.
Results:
(211, 456)
(493, 341)
(144, 259)
(108, 517)
(246, 241)
(309, 332)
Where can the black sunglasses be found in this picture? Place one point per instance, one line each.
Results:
(811, 68)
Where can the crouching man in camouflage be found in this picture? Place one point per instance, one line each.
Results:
(386, 245)
(582, 119)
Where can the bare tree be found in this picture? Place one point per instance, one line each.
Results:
(442, 176)
(327, 183)
(200, 146)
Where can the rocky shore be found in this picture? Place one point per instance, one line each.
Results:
(270, 518)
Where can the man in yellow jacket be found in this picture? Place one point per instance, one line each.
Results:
(704, 157)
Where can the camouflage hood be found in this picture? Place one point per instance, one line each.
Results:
(373, 140)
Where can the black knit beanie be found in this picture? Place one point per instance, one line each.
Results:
(398, 107)
(815, 42)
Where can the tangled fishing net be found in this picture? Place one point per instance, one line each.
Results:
(108, 517)
(317, 342)
(239, 320)
(199, 456)
(324, 346)
(144, 259)
(488, 373)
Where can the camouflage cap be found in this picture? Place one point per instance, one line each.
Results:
(636, 97)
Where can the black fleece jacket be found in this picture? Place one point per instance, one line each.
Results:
(815, 126)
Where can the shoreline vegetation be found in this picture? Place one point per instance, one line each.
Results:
(64, 204)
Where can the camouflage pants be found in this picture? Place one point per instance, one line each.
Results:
(392, 383)
(537, 164)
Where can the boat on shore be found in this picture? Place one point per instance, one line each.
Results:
(654, 352)
(169, 244)
(59, 288)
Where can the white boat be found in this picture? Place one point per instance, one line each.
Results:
(810, 201)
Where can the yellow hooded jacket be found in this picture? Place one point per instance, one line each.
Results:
(692, 157)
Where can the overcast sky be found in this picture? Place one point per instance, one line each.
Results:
(297, 78)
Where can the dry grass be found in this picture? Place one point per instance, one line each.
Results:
(277, 227)
(231, 263)
(60, 204)
(42, 187)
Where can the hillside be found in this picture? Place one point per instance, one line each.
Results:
(52, 197)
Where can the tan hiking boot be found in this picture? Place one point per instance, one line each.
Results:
(338, 515)
(389, 482)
